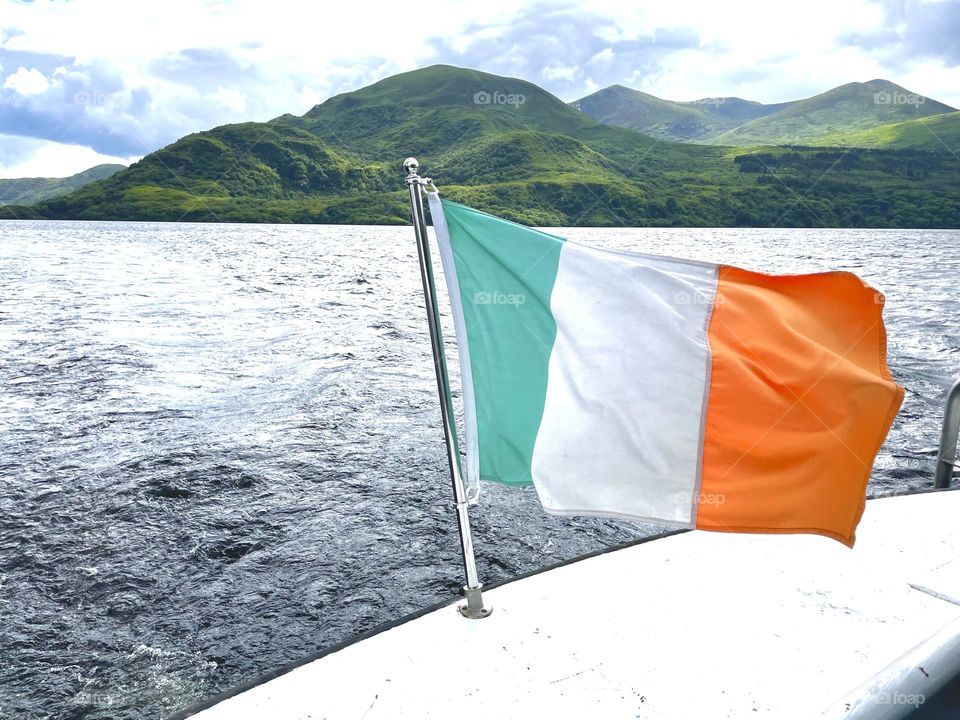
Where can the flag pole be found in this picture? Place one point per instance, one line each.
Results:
(474, 607)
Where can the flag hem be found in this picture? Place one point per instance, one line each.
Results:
(707, 383)
(471, 440)
(688, 524)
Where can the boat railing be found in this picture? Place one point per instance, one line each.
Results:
(949, 436)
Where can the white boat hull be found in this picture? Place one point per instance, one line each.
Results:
(695, 625)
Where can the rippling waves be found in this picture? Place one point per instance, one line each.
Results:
(219, 444)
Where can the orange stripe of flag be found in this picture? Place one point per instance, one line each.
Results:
(800, 401)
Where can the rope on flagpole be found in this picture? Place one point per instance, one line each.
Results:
(474, 607)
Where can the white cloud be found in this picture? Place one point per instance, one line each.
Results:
(604, 57)
(28, 157)
(230, 98)
(307, 98)
(927, 78)
(27, 82)
(561, 73)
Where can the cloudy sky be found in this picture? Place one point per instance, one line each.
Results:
(90, 81)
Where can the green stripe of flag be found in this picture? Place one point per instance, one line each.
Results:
(506, 274)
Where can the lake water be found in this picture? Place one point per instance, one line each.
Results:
(220, 445)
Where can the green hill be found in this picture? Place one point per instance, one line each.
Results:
(27, 191)
(849, 108)
(938, 133)
(427, 111)
(695, 121)
(506, 146)
(248, 171)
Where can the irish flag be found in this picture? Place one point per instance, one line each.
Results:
(677, 392)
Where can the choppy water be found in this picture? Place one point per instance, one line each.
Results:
(219, 444)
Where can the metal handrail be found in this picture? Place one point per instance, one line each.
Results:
(947, 455)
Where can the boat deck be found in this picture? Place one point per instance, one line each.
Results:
(695, 625)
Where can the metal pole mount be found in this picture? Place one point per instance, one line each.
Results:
(474, 607)
(947, 455)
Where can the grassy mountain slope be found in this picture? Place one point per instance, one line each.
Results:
(508, 147)
(429, 111)
(938, 133)
(845, 109)
(231, 172)
(736, 111)
(695, 121)
(27, 191)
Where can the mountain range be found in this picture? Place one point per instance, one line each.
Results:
(27, 191)
(850, 115)
(509, 147)
(694, 121)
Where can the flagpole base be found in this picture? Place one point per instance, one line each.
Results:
(474, 608)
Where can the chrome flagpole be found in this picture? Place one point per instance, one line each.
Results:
(474, 606)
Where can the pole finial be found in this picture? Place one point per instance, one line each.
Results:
(411, 166)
